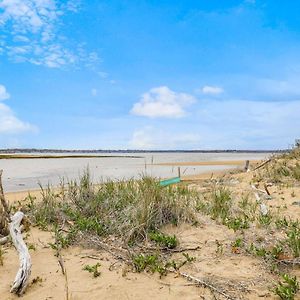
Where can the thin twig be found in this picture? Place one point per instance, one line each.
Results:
(295, 261)
(202, 282)
(198, 281)
(179, 250)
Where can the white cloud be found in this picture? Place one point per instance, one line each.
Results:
(141, 139)
(149, 138)
(9, 123)
(30, 33)
(212, 90)
(162, 102)
(230, 124)
(3, 93)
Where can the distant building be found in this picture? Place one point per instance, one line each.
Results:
(297, 143)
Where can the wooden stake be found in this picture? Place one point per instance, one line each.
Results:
(246, 168)
(179, 172)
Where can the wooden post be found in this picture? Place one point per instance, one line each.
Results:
(179, 172)
(246, 168)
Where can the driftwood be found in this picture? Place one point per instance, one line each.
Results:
(22, 278)
(15, 230)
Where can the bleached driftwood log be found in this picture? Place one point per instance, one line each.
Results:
(22, 278)
(263, 207)
(15, 229)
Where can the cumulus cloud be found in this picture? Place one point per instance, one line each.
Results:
(212, 90)
(30, 33)
(9, 123)
(162, 102)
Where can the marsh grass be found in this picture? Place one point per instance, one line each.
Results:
(221, 203)
(129, 210)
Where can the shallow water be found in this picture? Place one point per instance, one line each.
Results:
(25, 174)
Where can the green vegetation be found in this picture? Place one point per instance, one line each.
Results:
(129, 210)
(283, 168)
(237, 243)
(287, 288)
(156, 263)
(265, 220)
(293, 240)
(220, 204)
(146, 261)
(93, 269)
(237, 223)
(164, 240)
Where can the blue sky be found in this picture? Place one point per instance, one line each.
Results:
(204, 74)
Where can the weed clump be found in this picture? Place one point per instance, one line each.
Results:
(164, 240)
(221, 204)
(129, 210)
(293, 240)
(93, 269)
(287, 288)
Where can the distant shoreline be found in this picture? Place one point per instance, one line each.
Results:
(29, 156)
(33, 150)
